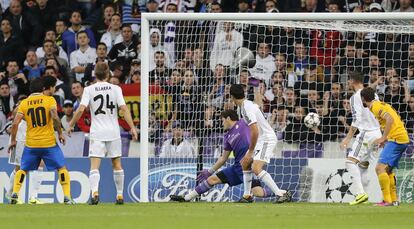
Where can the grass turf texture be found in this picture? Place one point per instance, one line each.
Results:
(207, 215)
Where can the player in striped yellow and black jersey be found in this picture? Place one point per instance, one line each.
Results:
(395, 141)
(40, 112)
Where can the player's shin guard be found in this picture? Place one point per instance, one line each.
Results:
(94, 178)
(356, 176)
(64, 180)
(247, 182)
(393, 187)
(119, 181)
(384, 181)
(18, 180)
(269, 182)
(35, 181)
(11, 184)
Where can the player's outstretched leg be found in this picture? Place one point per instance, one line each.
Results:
(283, 195)
(352, 167)
(201, 188)
(11, 182)
(393, 189)
(18, 181)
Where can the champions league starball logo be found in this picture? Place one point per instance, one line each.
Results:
(338, 187)
(173, 180)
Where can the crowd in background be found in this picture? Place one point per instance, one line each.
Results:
(296, 71)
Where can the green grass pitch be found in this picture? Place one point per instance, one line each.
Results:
(207, 215)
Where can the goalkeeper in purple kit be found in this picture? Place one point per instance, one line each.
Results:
(236, 140)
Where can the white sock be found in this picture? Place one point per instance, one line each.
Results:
(247, 182)
(10, 190)
(191, 195)
(119, 181)
(356, 176)
(269, 182)
(94, 178)
(364, 177)
(35, 180)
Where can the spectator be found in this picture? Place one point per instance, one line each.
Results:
(68, 115)
(405, 6)
(152, 6)
(71, 36)
(135, 77)
(19, 85)
(80, 58)
(60, 89)
(345, 118)
(10, 45)
(161, 73)
(113, 36)
(49, 52)
(45, 14)
(101, 56)
(54, 51)
(334, 6)
(243, 6)
(301, 60)
(396, 96)
(60, 28)
(270, 6)
(155, 41)
(324, 45)
(278, 119)
(295, 131)
(104, 20)
(275, 95)
(225, 43)
(184, 6)
(265, 65)
(84, 123)
(177, 146)
(32, 70)
(24, 24)
(6, 99)
(313, 6)
(125, 51)
(115, 81)
(291, 100)
(217, 88)
(77, 91)
(377, 81)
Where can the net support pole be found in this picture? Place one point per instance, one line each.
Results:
(144, 114)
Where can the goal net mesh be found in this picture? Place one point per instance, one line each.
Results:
(289, 68)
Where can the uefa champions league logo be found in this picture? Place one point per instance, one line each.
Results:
(173, 180)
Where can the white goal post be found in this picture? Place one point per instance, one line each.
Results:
(374, 22)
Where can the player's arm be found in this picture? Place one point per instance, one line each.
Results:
(127, 116)
(220, 161)
(389, 120)
(76, 117)
(56, 120)
(380, 111)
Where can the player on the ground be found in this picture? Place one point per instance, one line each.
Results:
(40, 112)
(362, 151)
(394, 140)
(236, 140)
(104, 99)
(15, 157)
(262, 143)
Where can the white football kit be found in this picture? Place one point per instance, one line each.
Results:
(267, 139)
(15, 157)
(105, 138)
(369, 130)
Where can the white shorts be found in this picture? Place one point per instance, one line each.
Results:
(264, 151)
(110, 149)
(15, 156)
(363, 148)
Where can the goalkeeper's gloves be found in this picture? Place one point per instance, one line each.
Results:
(204, 174)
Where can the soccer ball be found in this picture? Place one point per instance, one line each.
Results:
(338, 187)
(312, 120)
(243, 58)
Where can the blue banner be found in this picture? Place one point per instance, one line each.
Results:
(167, 176)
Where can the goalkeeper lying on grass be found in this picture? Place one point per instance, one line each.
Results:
(237, 140)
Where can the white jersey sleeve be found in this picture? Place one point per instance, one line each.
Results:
(85, 97)
(119, 97)
(362, 117)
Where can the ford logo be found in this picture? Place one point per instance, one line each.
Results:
(175, 180)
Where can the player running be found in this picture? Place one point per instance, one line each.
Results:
(15, 157)
(104, 99)
(236, 140)
(363, 149)
(394, 140)
(262, 143)
(40, 112)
